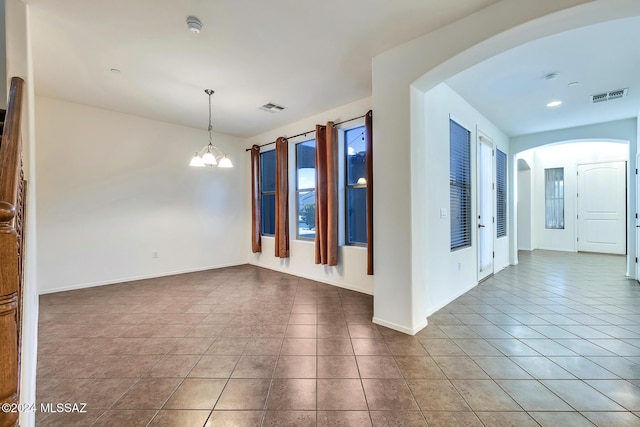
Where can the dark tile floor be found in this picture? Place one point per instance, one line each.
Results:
(554, 341)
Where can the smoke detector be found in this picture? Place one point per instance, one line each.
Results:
(194, 24)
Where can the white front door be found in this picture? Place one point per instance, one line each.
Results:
(485, 207)
(602, 200)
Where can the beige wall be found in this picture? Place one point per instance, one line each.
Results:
(115, 188)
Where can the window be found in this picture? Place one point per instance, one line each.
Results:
(306, 189)
(501, 194)
(268, 192)
(460, 185)
(554, 198)
(355, 186)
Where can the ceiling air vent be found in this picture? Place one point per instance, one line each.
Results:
(608, 96)
(272, 108)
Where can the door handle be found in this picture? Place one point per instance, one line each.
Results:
(482, 226)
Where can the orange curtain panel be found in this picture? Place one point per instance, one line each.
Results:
(326, 195)
(256, 239)
(282, 198)
(368, 125)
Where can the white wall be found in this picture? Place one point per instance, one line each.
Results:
(419, 66)
(351, 271)
(444, 275)
(19, 63)
(523, 197)
(116, 188)
(567, 156)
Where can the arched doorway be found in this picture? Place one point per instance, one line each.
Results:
(573, 196)
(408, 289)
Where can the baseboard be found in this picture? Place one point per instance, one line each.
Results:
(432, 310)
(500, 269)
(315, 279)
(400, 328)
(134, 278)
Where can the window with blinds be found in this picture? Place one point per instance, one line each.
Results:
(554, 198)
(355, 186)
(460, 185)
(268, 192)
(501, 194)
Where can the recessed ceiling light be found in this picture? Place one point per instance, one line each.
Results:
(114, 70)
(572, 84)
(551, 76)
(554, 103)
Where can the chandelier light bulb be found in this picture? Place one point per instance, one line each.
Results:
(208, 158)
(196, 162)
(225, 162)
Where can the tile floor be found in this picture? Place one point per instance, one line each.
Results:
(554, 341)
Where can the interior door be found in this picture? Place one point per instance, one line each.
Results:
(602, 200)
(485, 207)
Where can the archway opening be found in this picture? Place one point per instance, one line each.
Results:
(573, 196)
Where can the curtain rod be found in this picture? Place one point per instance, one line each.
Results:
(311, 131)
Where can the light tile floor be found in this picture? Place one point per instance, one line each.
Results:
(554, 341)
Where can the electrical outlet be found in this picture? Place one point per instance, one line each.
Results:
(155, 254)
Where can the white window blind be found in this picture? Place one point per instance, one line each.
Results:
(501, 194)
(355, 186)
(460, 185)
(554, 198)
(268, 192)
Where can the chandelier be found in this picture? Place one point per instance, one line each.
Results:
(210, 155)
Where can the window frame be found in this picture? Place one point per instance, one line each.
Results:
(297, 191)
(263, 193)
(347, 186)
(555, 198)
(501, 157)
(465, 186)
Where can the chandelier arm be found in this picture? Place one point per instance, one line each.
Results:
(219, 151)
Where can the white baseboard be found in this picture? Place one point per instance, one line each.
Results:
(432, 310)
(400, 328)
(134, 278)
(314, 278)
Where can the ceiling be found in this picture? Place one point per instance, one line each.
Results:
(309, 56)
(511, 91)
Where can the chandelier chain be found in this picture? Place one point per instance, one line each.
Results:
(210, 128)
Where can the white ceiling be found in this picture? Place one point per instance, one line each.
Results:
(309, 56)
(511, 91)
